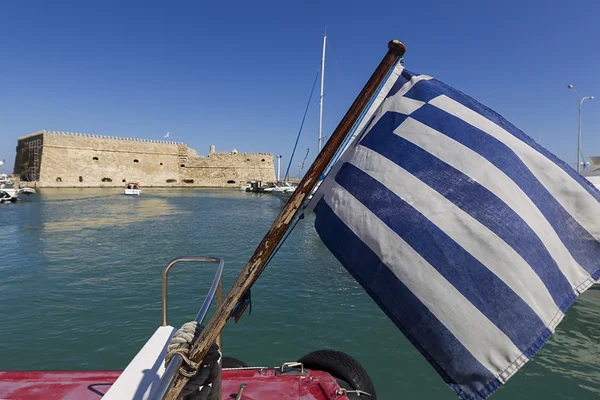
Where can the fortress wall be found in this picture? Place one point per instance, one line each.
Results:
(81, 160)
(94, 161)
(219, 169)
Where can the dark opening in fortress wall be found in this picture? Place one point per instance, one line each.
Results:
(63, 159)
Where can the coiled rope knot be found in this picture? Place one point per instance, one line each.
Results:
(204, 380)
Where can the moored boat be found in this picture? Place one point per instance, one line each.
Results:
(132, 188)
(283, 190)
(257, 187)
(320, 375)
(11, 195)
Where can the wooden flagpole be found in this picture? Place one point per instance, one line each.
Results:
(266, 247)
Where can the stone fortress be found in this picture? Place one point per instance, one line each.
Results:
(63, 159)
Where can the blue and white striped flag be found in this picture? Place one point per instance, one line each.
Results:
(470, 236)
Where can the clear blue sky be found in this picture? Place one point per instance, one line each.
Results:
(238, 74)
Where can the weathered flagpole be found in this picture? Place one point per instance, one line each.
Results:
(266, 247)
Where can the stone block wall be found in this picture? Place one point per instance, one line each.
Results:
(228, 169)
(83, 160)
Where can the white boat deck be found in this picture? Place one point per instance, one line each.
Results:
(143, 372)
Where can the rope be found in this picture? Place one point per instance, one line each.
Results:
(204, 381)
(301, 125)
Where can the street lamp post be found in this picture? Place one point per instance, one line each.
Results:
(580, 102)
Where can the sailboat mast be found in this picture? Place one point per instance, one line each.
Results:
(321, 99)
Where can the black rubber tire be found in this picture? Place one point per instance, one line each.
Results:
(342, 367)
(230, 362)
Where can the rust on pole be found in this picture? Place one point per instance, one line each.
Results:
(255, 265)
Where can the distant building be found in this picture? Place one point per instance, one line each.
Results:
(62, 159)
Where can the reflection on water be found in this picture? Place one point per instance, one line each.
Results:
(568, 366)
(81, 273)
(574, 351)
(105, 211)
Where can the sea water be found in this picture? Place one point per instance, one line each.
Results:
(80, 288)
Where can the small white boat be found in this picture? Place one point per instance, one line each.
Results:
(133, 188)
(283, 190)
(257, 187)
(247, 186)
(11, 195)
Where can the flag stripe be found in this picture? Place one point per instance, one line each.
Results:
(491, 297)
(449, 148)
(470, 196)
(416, 322)
(478, 168)
(357, 133)
(476, 333)
(400, 83)
(459, 105)
(525, 168)
(548, 167)
(506, 160)
(577, 182)
(485, 246)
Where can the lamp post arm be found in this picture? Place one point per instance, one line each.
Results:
(585, 98)
(576, 94)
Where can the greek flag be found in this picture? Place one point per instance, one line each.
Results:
(470, 236)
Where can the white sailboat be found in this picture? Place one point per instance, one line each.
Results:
(284, 190)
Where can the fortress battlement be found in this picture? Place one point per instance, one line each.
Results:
(97, 136)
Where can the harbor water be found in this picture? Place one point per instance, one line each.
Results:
(80, 288)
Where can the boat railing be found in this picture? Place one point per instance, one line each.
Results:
(216, 290)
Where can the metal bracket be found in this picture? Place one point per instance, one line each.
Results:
(292, 365)
(342, 391)
(217, 282)
(240, 391)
